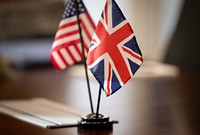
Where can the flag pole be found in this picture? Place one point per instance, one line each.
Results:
(96, 121)
(99, 100)
(84, 57)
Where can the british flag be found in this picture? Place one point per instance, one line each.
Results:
(114, 55)
(66, 49)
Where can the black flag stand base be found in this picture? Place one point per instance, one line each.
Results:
(95, 121)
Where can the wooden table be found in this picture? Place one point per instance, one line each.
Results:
(154, 105)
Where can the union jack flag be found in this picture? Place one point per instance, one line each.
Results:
(114, 55)
(66, 49)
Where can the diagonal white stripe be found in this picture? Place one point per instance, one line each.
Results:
(80, 49)
(85, 38)
(58, 60)
(109, 59)
(126, 55)
(95, 37)
(87, 23)
(65, 40)
(96, 61)
(68, 20)
(123, 53)
(66, 56)
(112, 30)
(66, 30)
(76, 55)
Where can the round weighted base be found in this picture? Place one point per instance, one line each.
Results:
(95, 122)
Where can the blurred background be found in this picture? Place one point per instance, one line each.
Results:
(166, 30)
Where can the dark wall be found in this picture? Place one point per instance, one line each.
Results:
(184, 49)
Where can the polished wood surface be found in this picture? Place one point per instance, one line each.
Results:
(157, 105)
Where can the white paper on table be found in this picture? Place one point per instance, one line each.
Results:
(42, 112)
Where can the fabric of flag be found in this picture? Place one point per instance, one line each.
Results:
(66, 49)
(114, 55)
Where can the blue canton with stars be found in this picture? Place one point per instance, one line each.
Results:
(70, 9)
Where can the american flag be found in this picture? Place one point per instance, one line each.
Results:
(66, 49)
(114, 55)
